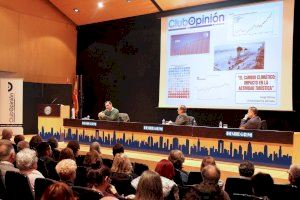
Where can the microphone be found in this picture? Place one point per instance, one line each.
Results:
(54, 100)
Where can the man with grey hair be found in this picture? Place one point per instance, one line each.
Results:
(95, 146)
(182, 118)
(26, 160)
(294, 175)
(7, 157)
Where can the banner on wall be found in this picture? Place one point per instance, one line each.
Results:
(11, 104)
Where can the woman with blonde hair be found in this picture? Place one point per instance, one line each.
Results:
(149, 186)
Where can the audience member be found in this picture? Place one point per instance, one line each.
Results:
(7, 134)
(54, 144)
(149, 187)
(58, 191)
(35, 141)
(66, 153)
(99, 180)
(207, 160)
(26, 160)
(93, 160)
(44, 152)
(246, 169)
(74, 145)
(211, 175)
(17, 139)
(109, 198)
(95, 146)
(22, 145)
(177, 158)
(262, 185)
(294, 175)
(121, 164)
(118, 148)
(66, 170)
(7, 158)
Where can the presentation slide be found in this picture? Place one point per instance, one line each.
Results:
(229, 58)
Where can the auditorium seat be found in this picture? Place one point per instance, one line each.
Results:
(122, 183)
(237, 196)
(194, 178)
(80, 160)
(192, 121)
(81, 176)
(2, 188)
(263, 125)
(40, 185)
(124, 117)
(285, 192)
(139, 168)
(84, 193)
(17, 186)
(107, 162)
(177, 178)
(238, 185)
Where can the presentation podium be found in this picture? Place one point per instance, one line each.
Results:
(51, 119)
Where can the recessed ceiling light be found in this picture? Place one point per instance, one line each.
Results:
(100, 5)
(76, 10)
(129, 1)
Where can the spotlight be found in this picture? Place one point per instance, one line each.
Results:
(76, 10)
(100, 5)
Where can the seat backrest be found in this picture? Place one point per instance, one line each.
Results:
(281, 191)
(194, 178)
(124, 117)
(2, 188)
(192, 121)
(263, 125)
(17, 186)
(238, 185)
(122, 183)
(40, 185)
(139, 168)
(107, 162)
(81, 176)
(177, 178)
(84, 193)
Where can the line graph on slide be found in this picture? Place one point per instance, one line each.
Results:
(254, 23)
(213, 92)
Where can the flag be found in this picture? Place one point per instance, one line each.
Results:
(75, 97)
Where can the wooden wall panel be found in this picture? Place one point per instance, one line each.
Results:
(38, 49)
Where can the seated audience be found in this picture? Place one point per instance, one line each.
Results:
(149, 187)
(211, 175)
(251, 120)
(74, 145)
(54, 144)
(35, 141)
(99, 180)
(7, 158)
(93, 160)
(22, 145)
(166, 171)
(177, 158)
(26, 160)
(246, 169)
(207, 160)
(262, 185)
(66, 170)
(118, 148)
(17, 139)
(294, 175)
(44, 152)
(7, 134)
(58, 191)
(66, 153)
(96, 147)
(110, 113)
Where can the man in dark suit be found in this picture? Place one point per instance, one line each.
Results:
(182, 118)
(251, 120)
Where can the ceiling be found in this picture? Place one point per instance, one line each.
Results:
(116, 9)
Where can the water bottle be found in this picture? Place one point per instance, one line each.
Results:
(194, 122)
(163, 121)
(73, 113)
(88, 117)
(220, 124)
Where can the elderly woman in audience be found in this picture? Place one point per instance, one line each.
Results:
(26, 160)
(66, 153)
(246, 169)
(209, 160)
(99, 180)
(66, 170)
(211, 176)
(93, 160)
(149, 187)
(58, 191)
(166, 171)
(294, 175)
(22, 145)
(7, 134)
(177, 158)
(95, 146)
(17, 139)
(35, 141)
